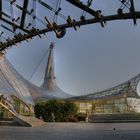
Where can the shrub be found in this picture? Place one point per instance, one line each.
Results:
(72, 119)
(81, 116)
(57, 110)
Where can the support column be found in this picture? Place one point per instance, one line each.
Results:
(0, 9)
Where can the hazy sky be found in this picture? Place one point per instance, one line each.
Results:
(88, 60)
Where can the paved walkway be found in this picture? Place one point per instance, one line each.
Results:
(73, 131)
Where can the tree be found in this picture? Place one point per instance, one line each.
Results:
(58, 109)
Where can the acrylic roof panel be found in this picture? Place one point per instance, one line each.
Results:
(14, 82)
(5, 86)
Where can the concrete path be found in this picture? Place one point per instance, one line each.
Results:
(73, 131)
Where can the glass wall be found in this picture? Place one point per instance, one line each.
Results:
(5, 114)
(15, 103)
(20, 107)
(111, 106)
(104, 106)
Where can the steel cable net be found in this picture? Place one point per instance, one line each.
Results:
(22, 20)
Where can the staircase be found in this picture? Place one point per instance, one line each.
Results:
(127, 117)
(8, 106)
(17, 119)
(28, 121)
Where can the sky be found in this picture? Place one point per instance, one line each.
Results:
(88, 60)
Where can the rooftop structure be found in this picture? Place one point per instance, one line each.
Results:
(18, 95)
(121, 99)
(128, 88)
(23, 20)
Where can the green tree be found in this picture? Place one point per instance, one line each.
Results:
(62, 110)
